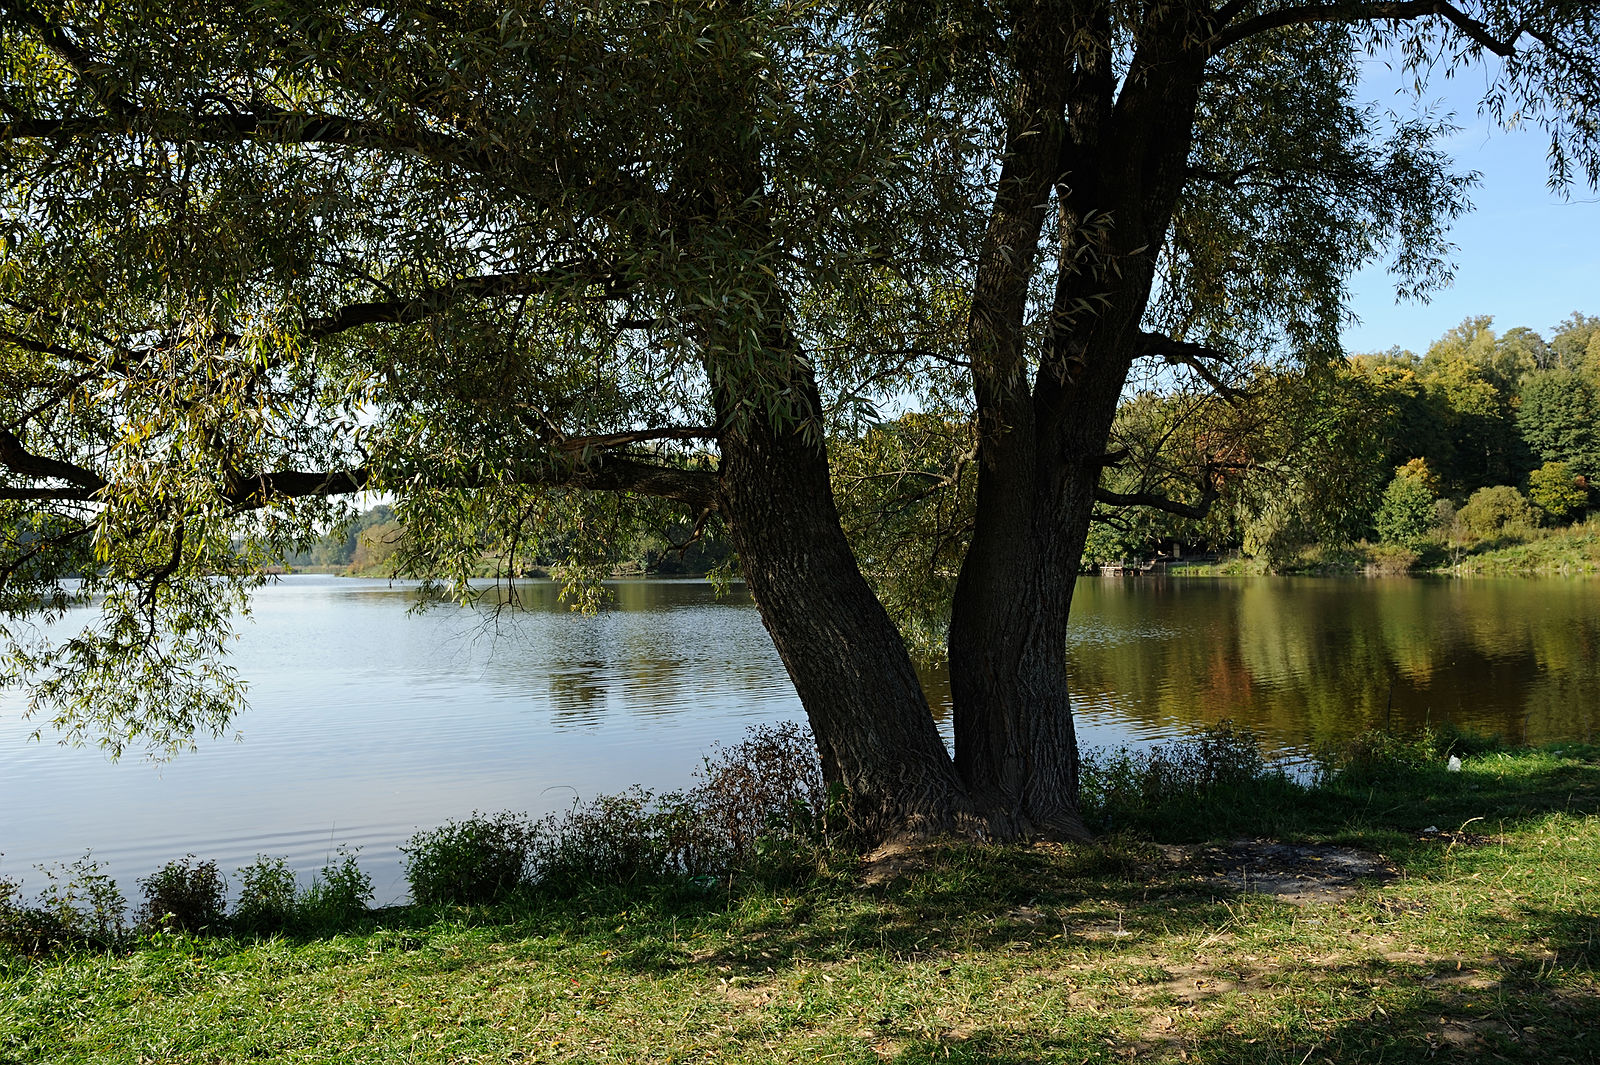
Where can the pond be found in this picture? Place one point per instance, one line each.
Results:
(369, 720)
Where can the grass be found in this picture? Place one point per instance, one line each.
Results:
(1568, 551)
(1480, 946)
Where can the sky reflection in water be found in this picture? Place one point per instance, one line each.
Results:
(369, 720)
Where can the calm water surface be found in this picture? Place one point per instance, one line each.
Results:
(369, 720)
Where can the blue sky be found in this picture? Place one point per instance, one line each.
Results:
(1525, 255)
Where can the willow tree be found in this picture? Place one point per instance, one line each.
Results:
(524, 267)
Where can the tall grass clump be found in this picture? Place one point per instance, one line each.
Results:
(1379, 755)
(269, 898)
(1163, 786)
(187, 895)
(472, 862)
(759, 808)
(338, 895)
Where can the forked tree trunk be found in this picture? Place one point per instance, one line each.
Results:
(1114, 167)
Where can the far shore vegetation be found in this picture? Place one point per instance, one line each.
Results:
(1480, 457)
(1383, 904)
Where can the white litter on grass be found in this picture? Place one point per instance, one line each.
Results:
(1454, 765)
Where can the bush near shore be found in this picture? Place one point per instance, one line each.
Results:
(1475, 939)
(1571, 551)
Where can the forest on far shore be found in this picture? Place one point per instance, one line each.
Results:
(1486, 437)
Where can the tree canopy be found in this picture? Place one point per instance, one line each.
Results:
(524, 268)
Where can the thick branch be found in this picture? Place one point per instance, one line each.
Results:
(1193, 356)
(610, 473)
(485, 286)
(18, 459)
(257, 491)
(273, 127)
(1197, 511)
(687, 432)
(1408, 10)
(696, 488)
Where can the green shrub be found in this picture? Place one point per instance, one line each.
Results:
(1125, 786)
(188, 895)
(473, 862)
(26, 929)
(1557, 491)
(761, 807)
(86, 901)
(338, 895)
(625, 838)
(1391, 559)
(1496, 511)
(763, 800)
(268, 897)
(1407, 512)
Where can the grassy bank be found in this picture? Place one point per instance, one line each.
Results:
(1474, 937)
(1571, 551)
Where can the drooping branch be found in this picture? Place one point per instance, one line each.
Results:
(402, 311)
(1407, 10)
(1194, 356)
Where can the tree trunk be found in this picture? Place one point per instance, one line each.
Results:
(1114, 167)
(861, 693)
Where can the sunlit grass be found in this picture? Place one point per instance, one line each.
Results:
(1480, 943)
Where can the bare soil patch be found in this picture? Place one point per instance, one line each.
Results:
(1295, 872)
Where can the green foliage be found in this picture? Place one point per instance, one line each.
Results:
(906, 491)
(188, 895)
(1379, 755)
(1497, 511)
(1559, 417)
(337, 548)
(79, 907)
(1554, 489)
(472, 862)
(1576, 345)
(338, 895)
(268, 897)
(1126, 787)
(1407, 514)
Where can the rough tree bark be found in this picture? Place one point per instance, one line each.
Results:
(866, 706)
(1115, 168)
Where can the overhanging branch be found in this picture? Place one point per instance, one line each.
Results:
(18, 459)
(1154, 501)
(1408, 10)
(1194, 356)
(484, 286)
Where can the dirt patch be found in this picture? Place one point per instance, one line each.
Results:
(894, 859)
(1295, 872)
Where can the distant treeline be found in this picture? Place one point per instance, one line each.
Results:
(1483, 436)
(370, 542)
